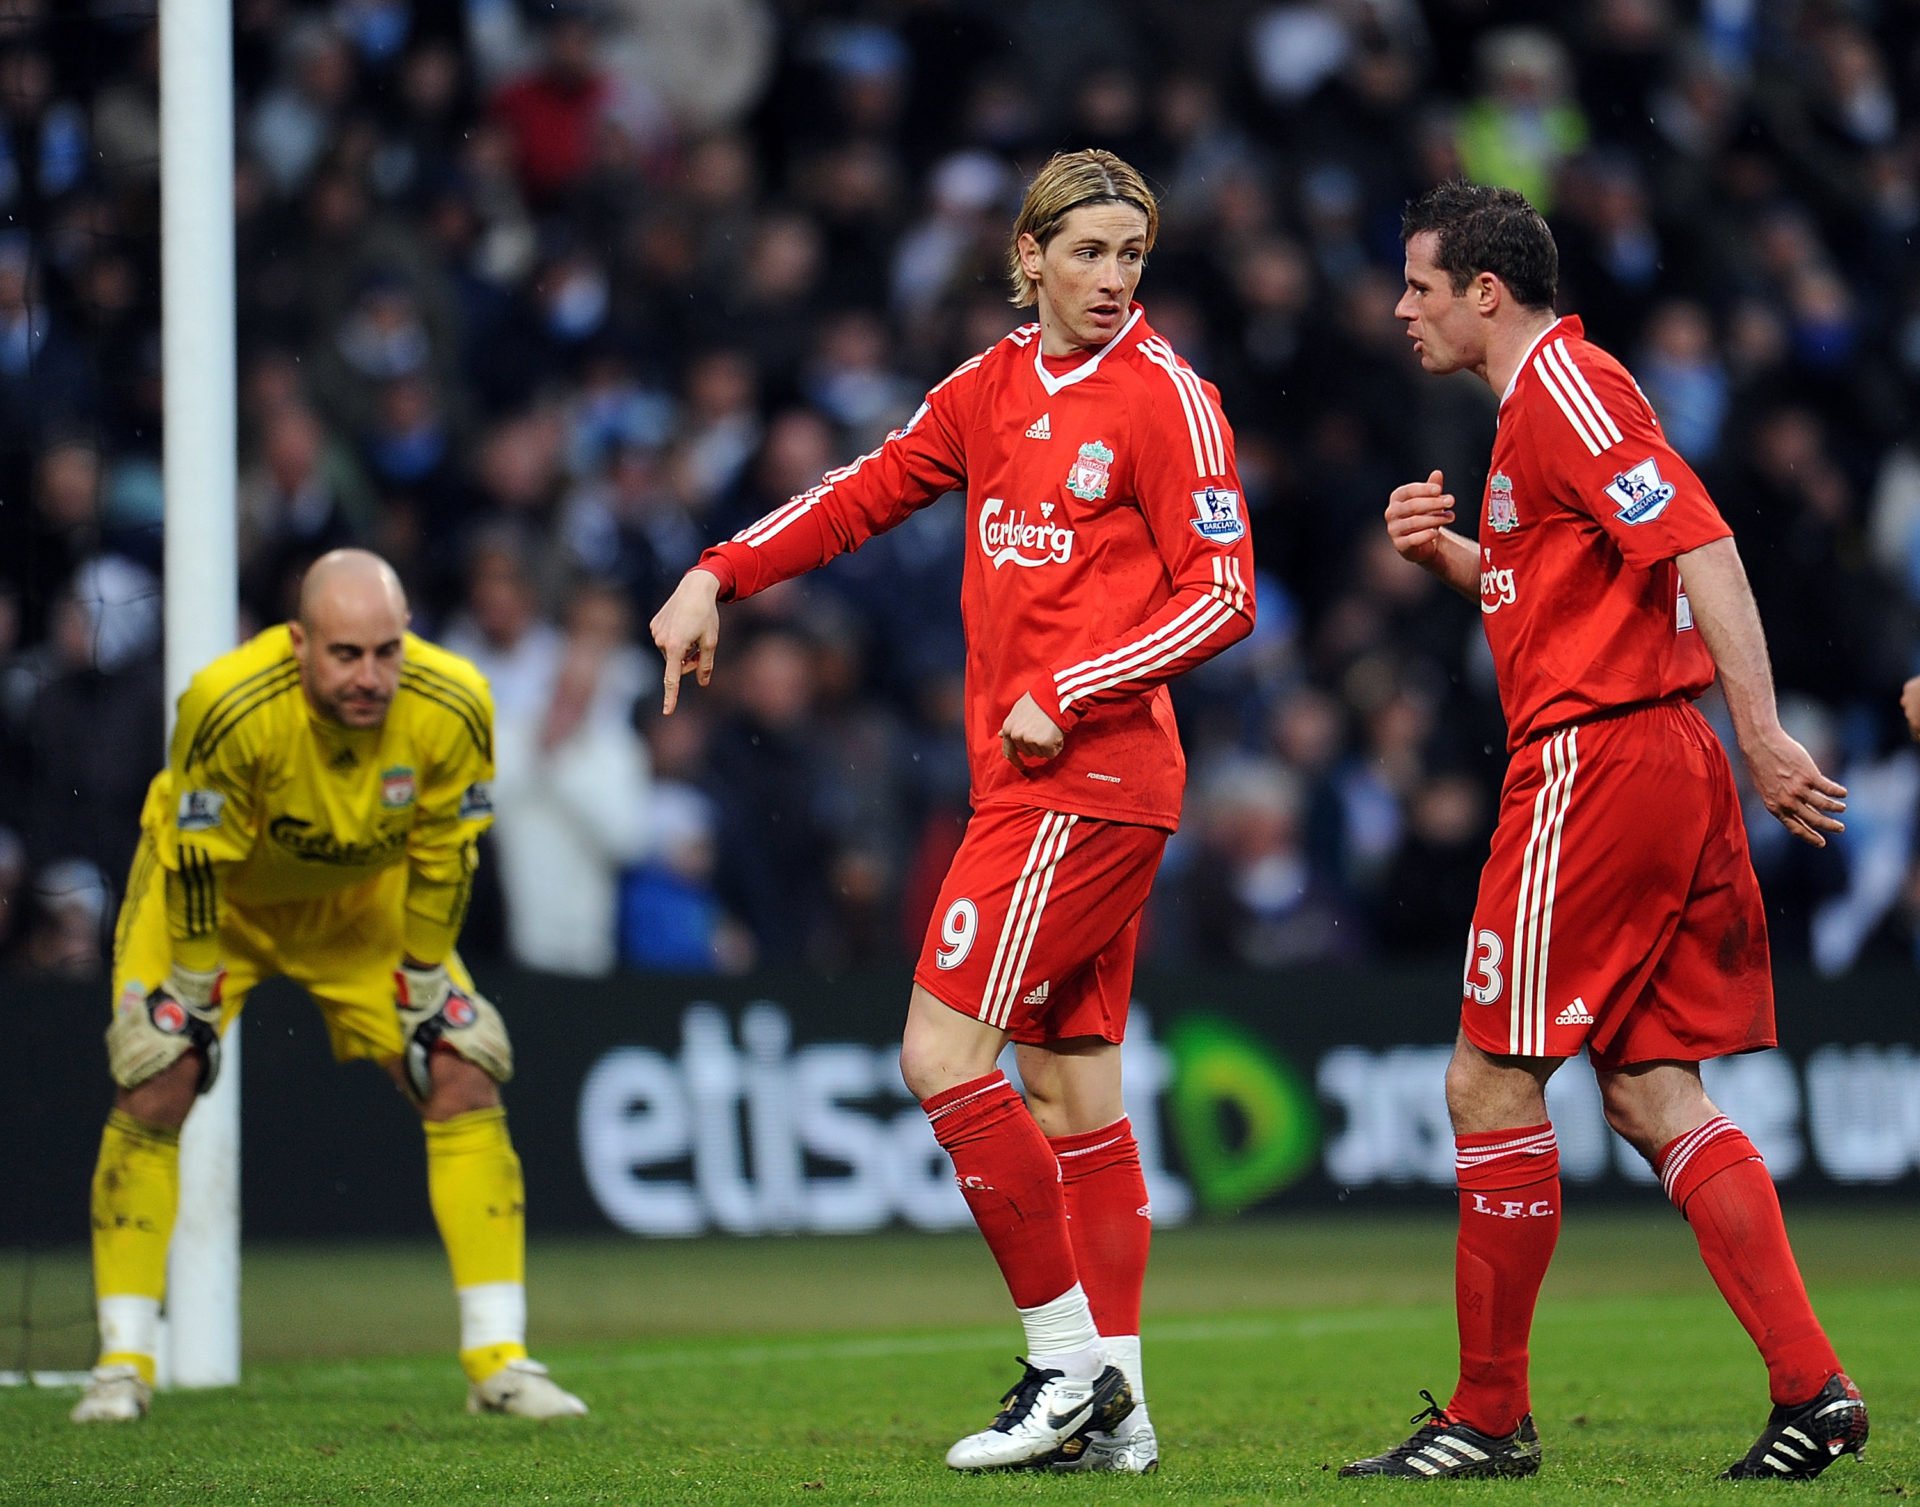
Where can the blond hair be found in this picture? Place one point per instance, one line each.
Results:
(1068, 181)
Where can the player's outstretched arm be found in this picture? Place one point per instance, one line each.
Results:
(1804, 800)
(687, 632)
(1418, 513)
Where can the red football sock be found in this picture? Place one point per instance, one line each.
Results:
(1509, 1220)
(1108, 1220)
(1716, 1179)
(1011, 1180)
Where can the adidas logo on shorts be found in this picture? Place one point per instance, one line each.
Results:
(1038, 994)
(1576, 1014)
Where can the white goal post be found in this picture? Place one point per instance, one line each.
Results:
(201, 1344)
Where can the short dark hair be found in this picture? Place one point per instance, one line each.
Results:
(1486, 229)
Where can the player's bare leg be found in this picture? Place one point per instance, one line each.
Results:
(1508, 1166)
(1716, 1178)
(1073, 1088)
(1011, 1181)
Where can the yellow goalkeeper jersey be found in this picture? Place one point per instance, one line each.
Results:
(265, 802)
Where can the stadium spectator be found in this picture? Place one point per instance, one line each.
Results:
(46, 385)
(671, 917)
(1127, 569)
(317, 820)
(504, 631)
(571, 793)
(1525, 121)
(296, 122)
(764, 773)
(44, 142)
(93, 726)
(1686, 380)
(570, 114)
(47, 543)
(1251, 899)
(303, 497)
(67, 916)
(1658, 925)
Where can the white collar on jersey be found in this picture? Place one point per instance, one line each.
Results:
(1538, 341)
(1053, 384)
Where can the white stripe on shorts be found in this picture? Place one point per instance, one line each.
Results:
(1023, 917)
(1533, 914)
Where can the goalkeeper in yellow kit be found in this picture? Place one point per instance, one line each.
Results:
(326, 785)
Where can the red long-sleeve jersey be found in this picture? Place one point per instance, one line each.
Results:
(1587, 505)
(1107, 552)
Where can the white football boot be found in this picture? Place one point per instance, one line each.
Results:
(115, 1394)
(523, 1389)
(1041, 1412)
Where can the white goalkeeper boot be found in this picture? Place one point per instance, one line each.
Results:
(523, 1389)
(115, 1394)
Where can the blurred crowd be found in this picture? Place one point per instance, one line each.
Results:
(537, 297)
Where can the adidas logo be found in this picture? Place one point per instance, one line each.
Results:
(1038, 994)
(1576, 1014)
(1041, 428)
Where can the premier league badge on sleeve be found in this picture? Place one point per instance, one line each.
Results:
(1219, 520)
(200, 810)
(476, 801)
(1091, 470)
(1640, 493)
(1502, 516)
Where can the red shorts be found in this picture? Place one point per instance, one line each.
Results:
(1038, 920)
(1618, 910)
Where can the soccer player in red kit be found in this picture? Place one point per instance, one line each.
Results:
(1618, 911)
(1107, 553)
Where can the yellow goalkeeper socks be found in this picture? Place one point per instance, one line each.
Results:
(136, 1190)
(479, 1202)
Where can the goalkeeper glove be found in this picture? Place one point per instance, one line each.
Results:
(435, 1011)
(148, 1036)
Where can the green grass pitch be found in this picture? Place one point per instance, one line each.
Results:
(812, 1371)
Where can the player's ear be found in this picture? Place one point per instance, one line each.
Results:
(1032, 254)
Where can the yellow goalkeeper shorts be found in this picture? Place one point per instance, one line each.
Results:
(341, 948)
